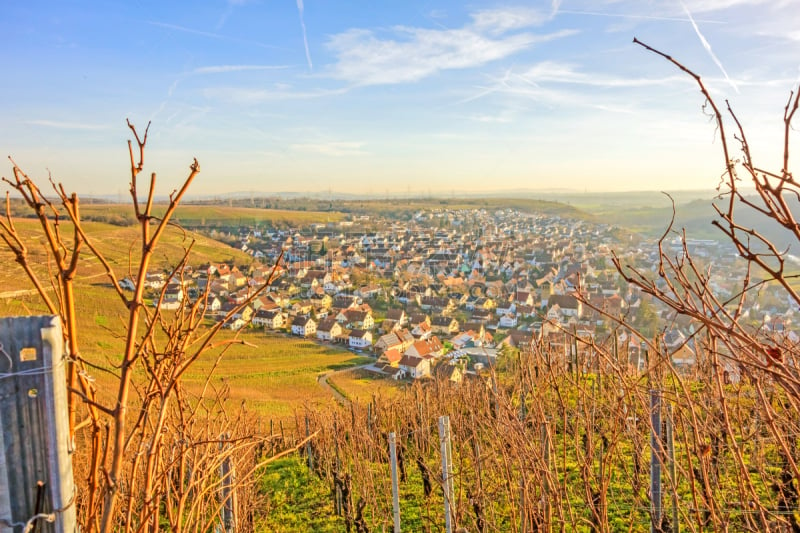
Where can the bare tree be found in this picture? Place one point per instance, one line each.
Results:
(153, 452)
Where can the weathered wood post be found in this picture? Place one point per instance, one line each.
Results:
(35, 447)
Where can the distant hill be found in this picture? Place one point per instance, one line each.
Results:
(399, 208)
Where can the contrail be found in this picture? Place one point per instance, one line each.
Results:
(554, 5)
(707, 46)
(305, 39)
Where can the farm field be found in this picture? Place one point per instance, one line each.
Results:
(273, 374)
(276, 375)
(361, 385)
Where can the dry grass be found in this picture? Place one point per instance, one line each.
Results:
(360, 385)
(276, 376)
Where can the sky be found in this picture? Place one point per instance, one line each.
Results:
(390, 97)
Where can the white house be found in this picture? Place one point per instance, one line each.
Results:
(271, 318)
(508, 320)
(415, 367)
(360, 339)
(304, 326)
(328, 330)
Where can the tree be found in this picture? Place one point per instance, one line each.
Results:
(150, 455)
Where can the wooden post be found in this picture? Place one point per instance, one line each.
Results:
(272, 436)
(395, 487)
(655, 461)
(227, 475)
(671, 465)
(523, 512)
(546, 478)
(35, 444)
(369, 429)
(308, 447)
(337, 468)
(447, 471)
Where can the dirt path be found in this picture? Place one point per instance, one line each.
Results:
(322, 379)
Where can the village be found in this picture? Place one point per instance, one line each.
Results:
(448, 290)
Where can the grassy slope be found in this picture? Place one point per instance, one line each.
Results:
(121, 248)
(360, 385)
(275, 376)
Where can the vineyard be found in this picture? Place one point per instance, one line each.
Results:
(553, 443)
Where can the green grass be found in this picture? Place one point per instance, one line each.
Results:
(297, 500)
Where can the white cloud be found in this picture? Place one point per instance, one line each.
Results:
(332, 148)
(555, 72)
(243, 96)
(502, 118)
(704, 6)
(216, 69)
(411, 54)
(66, 125)
(210, 35)
(499, 21)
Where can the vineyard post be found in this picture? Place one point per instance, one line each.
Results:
(271, 435)
(308, 447)
(546, 478)
(227, 474)
(523, 512)
(395, 487)
(447, 471)
(671, 465)
(369, 428)
(477, 451)
(655, 460)
(337, 487)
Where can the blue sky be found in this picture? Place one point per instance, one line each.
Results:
(398, 97)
